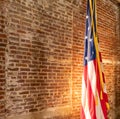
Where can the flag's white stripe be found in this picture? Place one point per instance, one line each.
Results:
(92, 78)
(85, 100)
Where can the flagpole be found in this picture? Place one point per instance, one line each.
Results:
(96, 46)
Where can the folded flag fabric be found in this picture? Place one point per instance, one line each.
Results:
(94, 101)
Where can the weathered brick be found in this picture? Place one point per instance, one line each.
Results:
(41, 57)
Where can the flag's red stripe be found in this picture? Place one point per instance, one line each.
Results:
(91, 101)
(90, 95)
(103, 103)
(85, 74)
(104, 94)
(82, 113)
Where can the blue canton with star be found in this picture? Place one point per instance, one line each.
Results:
(90, 52)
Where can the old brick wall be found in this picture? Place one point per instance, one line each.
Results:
(3, 41)
(117, 72)
(41, 57)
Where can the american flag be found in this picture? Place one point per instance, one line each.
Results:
(94, 96)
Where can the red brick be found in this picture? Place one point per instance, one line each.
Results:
(41, 55)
